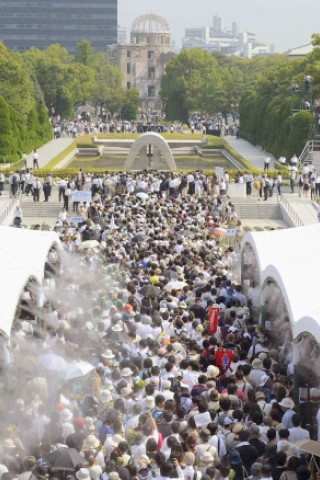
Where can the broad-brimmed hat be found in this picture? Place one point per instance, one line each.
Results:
(183, 305)
(91, 441)
(108, 354)
(206, 457)
(212, 371)
(126, 372)
(116, 439)
(83, 474)
(287, 403)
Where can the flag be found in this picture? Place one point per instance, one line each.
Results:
(213, 318)
(224, 359)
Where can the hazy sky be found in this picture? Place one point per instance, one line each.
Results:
(285, 23)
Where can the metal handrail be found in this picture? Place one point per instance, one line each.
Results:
(309, 147)
(7, 209)
(291, 212)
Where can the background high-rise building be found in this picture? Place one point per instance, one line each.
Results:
(39, 23)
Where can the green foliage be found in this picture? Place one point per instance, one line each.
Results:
(24, 120)
(265, 110)
(129, 110)
(191, 82)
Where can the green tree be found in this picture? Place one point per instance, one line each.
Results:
(130, 106)
(86, 54)
(191, 82)
(107, 91)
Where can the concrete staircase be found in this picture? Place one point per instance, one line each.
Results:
(261, 210)
(315, 158)
(41, 209)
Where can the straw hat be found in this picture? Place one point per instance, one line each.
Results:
(287, 403)
(207, 458)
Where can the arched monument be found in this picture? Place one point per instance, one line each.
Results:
(147, 143)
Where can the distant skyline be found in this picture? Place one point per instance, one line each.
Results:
(284, 23)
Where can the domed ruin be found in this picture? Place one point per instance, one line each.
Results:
(151, 29)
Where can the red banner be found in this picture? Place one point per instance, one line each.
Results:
(213, 319)
(223, 359)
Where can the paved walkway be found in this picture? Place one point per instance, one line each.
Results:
(50, 150)
(254, 155)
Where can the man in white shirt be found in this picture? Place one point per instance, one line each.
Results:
(35, 159)
(267, 160)
(296, 432)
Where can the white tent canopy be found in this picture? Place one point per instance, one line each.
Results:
(291, 257)
(23, 255)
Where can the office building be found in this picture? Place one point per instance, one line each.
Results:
(39, 23)
(228, 41)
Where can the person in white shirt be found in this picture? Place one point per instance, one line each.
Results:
(35, 158)
(297, 432)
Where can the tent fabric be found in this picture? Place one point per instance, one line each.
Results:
(23, 254)
(291, 257)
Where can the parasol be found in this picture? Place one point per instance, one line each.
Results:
(149, 291)
(65, 459)
(51, 361)
(76, 370)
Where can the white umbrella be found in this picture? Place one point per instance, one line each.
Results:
(50, 361)
(89, 244)
(75, 370)
(142, 195)
(175, 285)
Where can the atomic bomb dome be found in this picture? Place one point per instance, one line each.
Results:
(151, 29)
(144, 59)
(151, 23)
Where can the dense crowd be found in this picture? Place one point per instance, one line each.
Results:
(178, 378)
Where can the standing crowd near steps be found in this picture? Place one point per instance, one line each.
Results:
(180, 379)
(263, 185)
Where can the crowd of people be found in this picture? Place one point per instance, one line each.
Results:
(183, 380)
